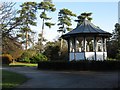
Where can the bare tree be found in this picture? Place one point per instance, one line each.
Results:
(8, 25)
(7, 18)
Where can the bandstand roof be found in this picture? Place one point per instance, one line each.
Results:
(86, 29)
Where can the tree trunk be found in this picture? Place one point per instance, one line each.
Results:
(42, 35)
(61, 43)
(26, 46)
(42, 31)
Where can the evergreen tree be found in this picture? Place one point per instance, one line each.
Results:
(114, 43)
(64, 19)
(27, 18)
(38, 45)
(45, 6)
(82, 17)
(116, 36)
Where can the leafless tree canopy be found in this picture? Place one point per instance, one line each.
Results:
(7, 14)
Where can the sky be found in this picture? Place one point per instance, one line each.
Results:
(104, 14)
(119, 12)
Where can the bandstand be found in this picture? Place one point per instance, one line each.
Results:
(87, 42)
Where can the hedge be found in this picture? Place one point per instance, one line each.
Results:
(80, 65)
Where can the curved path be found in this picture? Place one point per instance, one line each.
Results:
(66, 79)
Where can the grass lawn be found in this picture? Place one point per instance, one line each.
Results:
(19, 64)
(12, 79)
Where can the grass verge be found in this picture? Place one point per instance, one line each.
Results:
(12, 79)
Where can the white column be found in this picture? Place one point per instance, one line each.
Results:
(105, 55)
(102, 44)
(73, 50)
(74, 40)
(95, 42)
(103, 47)
(96, 45)
(88, 48)
(84, 45)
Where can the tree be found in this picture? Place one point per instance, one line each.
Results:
(64, 19)
(114, 43)
(7, 15)
(8, 27)
(27, 18)
(117, 31)
(45, 7)
(52, 51)
(82, 17)
(12, 47)
(38, 45)
(116, 37)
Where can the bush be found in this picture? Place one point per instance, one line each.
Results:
(52, 52)
(26, 55)
(80, 65)
(118, 56)
(6, 58)
(26, 59)
(38, 57)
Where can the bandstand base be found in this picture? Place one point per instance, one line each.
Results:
(87, 56)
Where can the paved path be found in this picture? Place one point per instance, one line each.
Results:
(66, 79)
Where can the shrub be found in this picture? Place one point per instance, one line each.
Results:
(26, 59)
(52, 52)
(118, 56)
(26, 55)
(38, 57)
(6, 58)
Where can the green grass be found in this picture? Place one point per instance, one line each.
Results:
(18, 64)
(12, 79)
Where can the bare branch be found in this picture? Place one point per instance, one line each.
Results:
(7, 14)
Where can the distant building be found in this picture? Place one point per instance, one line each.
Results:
(119, 12)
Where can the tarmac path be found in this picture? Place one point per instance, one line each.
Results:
(66, 79)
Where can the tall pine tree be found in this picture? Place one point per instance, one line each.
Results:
(45, 7)
(27, 18)
(82, 17)
(64, 21)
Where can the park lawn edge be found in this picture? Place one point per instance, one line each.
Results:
(12, 79)
(20, 64)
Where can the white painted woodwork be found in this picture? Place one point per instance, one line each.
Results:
(88, 55)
